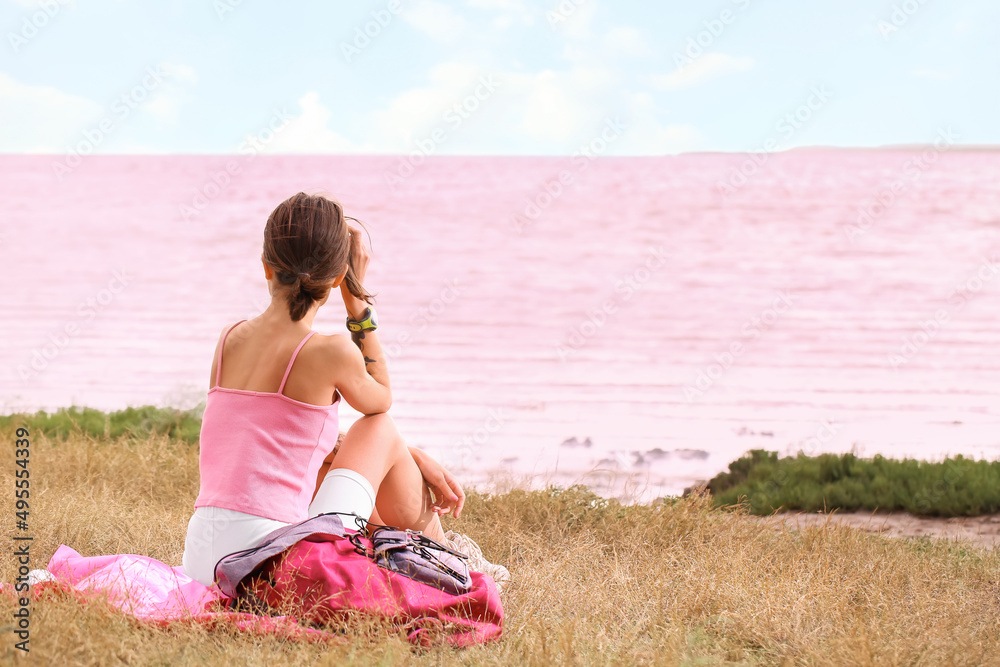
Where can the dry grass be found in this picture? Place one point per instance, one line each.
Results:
(596, 583)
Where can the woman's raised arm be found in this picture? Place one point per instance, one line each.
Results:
(365, 381)
(362, 379)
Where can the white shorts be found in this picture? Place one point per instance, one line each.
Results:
(216, 532)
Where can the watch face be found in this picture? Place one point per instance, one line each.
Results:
(372, 318)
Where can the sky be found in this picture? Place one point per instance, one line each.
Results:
(494, 77)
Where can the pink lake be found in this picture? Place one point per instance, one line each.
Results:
(634, 306)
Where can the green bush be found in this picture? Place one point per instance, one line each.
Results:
(954, 487)
(139, 423)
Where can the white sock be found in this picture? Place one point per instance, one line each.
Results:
(344, 490)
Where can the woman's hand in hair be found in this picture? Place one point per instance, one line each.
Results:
(358, 264)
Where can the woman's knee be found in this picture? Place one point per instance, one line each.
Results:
(372, 447)
(378, 431)
(381, 421)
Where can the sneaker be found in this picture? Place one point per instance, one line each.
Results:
(477, 562)
(38, 576)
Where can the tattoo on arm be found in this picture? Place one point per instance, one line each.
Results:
(358, 338)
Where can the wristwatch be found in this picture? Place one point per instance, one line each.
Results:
(366, 323)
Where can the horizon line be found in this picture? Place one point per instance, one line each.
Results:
(969, 148)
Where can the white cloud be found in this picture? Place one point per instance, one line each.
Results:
(551, 108)
(575, 22)
(180, 72)
(647, 131)
(671, 139)
(626, 41)
(42, 119)
(504, 5)
(707, 67)
(163, 107)
(617, 43)
(165, 102)
(552, 111)
(309, 132)
(510, 11)
(474, 109)
(435, 19)
(555, 110)
(573, 122)
(560, 110)
(413, 113)
(395, 128)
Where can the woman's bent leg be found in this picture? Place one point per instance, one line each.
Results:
(344, 490)
(374, 448)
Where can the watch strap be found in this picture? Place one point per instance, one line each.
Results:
(366, 323)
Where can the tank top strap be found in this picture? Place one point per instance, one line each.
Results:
(218, 367)
(291, 361)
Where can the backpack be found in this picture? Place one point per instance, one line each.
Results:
(322, 572)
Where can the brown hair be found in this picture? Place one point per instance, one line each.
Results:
(306, 243)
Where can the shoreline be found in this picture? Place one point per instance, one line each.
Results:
(981, 531)
(626, 486)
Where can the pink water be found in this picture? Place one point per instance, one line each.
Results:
(594, 318)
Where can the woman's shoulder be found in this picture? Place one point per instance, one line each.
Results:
(333, 344)
(231, 328)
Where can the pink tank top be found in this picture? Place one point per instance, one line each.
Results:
(260, 451)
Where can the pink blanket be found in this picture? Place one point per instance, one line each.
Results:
(154, 592)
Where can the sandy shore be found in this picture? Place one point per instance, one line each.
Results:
(981, 531)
